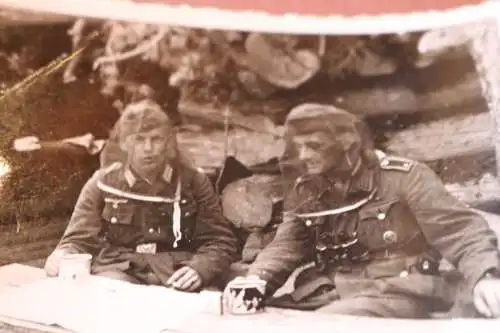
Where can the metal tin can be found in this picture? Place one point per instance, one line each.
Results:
(244, 296)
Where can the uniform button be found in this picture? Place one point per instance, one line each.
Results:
(403, 274)
(390, 237)
(308, 223)
(321, 247)
(115, 205)
(187, 214)
(183, 201)
(151, 230)
(381, 216)
(114, 220)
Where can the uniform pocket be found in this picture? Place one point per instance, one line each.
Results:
(386, 224)
(117, 211)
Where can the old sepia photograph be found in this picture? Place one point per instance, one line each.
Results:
(180, 178)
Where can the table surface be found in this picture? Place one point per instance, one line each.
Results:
(272, 320)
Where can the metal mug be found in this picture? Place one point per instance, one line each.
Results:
(244, 296)
(75, 266)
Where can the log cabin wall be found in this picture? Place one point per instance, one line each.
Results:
(437, 115)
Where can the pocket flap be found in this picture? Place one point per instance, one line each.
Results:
(117, 211)
(377, 210)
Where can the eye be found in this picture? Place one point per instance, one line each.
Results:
(315, 145)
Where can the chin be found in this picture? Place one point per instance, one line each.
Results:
(316, 170)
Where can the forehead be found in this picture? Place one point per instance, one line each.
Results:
(316, 137)
(153, 132)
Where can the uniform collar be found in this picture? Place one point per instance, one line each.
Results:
(363, 183)
(131, 178)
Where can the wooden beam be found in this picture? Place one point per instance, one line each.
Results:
(217, 118)
(445, 138)
(442, 139)
(206, 149)
(400, 99)
(371, 101)
(476, 191)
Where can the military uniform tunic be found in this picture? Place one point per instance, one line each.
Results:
(410, 216)
(128, 234)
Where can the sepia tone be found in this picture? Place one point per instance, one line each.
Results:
(428, 96)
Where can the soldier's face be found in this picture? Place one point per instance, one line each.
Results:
(150, 150)
(315, 151)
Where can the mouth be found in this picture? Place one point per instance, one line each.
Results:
(312, 165)
(149, 160)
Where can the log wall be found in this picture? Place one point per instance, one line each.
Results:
(447, 126)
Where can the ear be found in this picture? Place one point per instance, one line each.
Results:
(124, 143)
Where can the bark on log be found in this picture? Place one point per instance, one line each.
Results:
(445, 138)
(451, 86)
(400, 99)
(442, 139)
(477, 191)
(377, 100)
(206, 149)
(254, 122)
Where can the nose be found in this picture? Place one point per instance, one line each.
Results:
(148, 145)
(305, 153)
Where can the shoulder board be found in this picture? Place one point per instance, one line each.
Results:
(396, 163)
(111, 168)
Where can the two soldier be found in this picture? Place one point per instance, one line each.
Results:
(376, 226)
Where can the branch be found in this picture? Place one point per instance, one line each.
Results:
(140, 49)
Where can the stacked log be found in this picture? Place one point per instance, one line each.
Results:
(446, 126)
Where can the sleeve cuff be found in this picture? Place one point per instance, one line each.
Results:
(271, 284)
(202, 267)
(491, 264)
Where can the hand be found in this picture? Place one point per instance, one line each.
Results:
(487, 297)
(53, 262)
(185, 279)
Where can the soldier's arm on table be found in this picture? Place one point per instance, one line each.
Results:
(461, 235)
(82, 233)
(290, 248)
(214, 241)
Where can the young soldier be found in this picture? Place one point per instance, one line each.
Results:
(376, 225)
(152, 218)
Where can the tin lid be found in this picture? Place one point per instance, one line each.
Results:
(77, 257)
(300, 17)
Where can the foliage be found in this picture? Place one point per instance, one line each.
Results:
(205, 63)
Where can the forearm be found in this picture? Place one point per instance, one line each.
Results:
(85, 223)
(462, 236)
(290, 248)
(216, 251)
(214, 240)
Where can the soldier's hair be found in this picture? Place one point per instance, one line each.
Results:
(310, 117)
(130, 117)
(143, 116)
